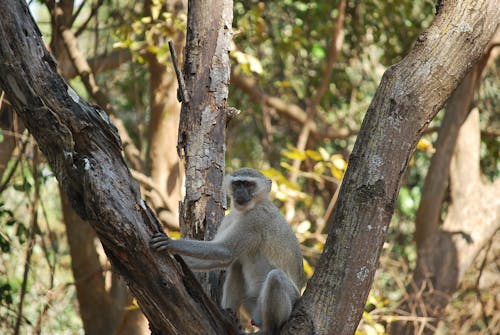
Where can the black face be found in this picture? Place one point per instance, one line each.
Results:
(243, 191)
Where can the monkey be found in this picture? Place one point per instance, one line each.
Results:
(256, 246)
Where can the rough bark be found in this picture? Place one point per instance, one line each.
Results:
(85, 153)
(202, 128)
(410, 94)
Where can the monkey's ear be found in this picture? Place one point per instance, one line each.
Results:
(269, 184)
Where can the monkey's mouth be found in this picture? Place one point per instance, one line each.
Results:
(242, 202)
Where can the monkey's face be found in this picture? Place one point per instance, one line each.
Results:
(242, 193)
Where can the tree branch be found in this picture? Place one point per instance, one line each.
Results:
(84, 150)
(409, 96)
(83, 69)
(92, 14)
(289, 110)
(333, 52)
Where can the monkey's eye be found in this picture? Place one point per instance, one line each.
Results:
(244, 183)
(248, 184)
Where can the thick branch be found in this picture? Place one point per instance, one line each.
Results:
(84, 151)
(410, 94)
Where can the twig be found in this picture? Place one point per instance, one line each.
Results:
(14, 167)
(93, 12)
(77, 12)
(180, 78)
(31, 244)
(482, 266)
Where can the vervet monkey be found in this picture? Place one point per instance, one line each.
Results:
(258, 248)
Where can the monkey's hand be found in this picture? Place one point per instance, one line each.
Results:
(159, 242)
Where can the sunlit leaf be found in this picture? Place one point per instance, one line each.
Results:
(425, 145)
(319, 168)
(303, 227)
(308, 268)
(294, 154)
(252, 63)
(314, 155)
(324, 154)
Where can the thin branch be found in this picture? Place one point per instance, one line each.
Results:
(3, 186)
(180, 78)
(75, 15)
(31, 244)
(93, 12)
(289, 110)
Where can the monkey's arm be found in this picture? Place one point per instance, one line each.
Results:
(192, 248)
(196, 264)
(223, 249)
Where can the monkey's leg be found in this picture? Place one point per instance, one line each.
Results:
(233, 291)
(276, 301)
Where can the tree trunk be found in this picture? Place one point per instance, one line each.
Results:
(85, 153)
(472, 220)
(410, 94)
(429, 211)
(202, 128)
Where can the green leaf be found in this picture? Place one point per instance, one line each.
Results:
(318, 51)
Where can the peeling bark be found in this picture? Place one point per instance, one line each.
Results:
(202, 128)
